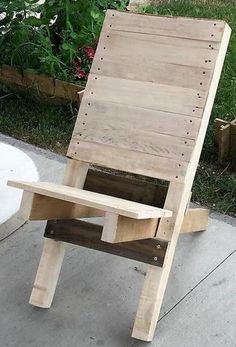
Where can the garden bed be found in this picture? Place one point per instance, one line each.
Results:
(43, 85)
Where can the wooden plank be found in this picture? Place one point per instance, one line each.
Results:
(179, 51)
(233, 140)
(126, 187)
(129, 161)
(163, 73)
(224, 142)
(45, 208)
(101, 116)
(91, 199)
(195, 219)
(185, 27)
(218, 123)
(53, 251)
(122, 229)
(9, 75)
(135, 139)
(88, 235)
(40, 84)
(154, 96)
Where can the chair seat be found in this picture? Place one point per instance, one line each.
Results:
(99, 201)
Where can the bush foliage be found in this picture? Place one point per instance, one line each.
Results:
(57, 37)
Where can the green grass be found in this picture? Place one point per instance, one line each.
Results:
(34, 121)
(51, 126)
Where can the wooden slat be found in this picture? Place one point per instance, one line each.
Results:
(125, 187)
(101, 115)
(163, 73)
(147, 95)
(190, 28)
(114, 46)
(88, 235)
(137, 140)
(130, 161)
(91, 199)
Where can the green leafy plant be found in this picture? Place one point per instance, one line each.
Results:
(56, 37)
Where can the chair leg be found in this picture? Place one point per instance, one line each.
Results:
(151, 299)
(47, 274)
(53, 251)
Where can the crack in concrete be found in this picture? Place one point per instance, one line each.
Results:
(202, 280)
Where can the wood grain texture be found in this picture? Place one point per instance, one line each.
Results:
(159, 72)
(100, 117)
(129, 161)
(146, 95)
(137, 140)
(103, 202)
(184, 27)
(163, 100)
(122, 229)
(195, 219)
(88, 235)
(194, 53)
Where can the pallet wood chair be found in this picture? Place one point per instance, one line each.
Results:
(145, 111)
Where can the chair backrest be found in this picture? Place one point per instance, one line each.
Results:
(153, 81)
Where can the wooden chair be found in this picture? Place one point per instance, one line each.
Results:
(145, 111)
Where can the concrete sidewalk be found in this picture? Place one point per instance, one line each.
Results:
(97, 294)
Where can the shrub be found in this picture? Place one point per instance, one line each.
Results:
(57, 37)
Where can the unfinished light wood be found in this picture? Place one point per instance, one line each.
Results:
(129, 138)
(155, 96)
(99, 201)
(179, 69)
(177, 198)
(130, 161)
(53, 251)
(191, 53)
(195, 219)
(188, 28)
(122, 229)
(154, 122)
(46, 208)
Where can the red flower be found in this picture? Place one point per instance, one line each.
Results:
(90, 52)
(77, 62)
(80, 74)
